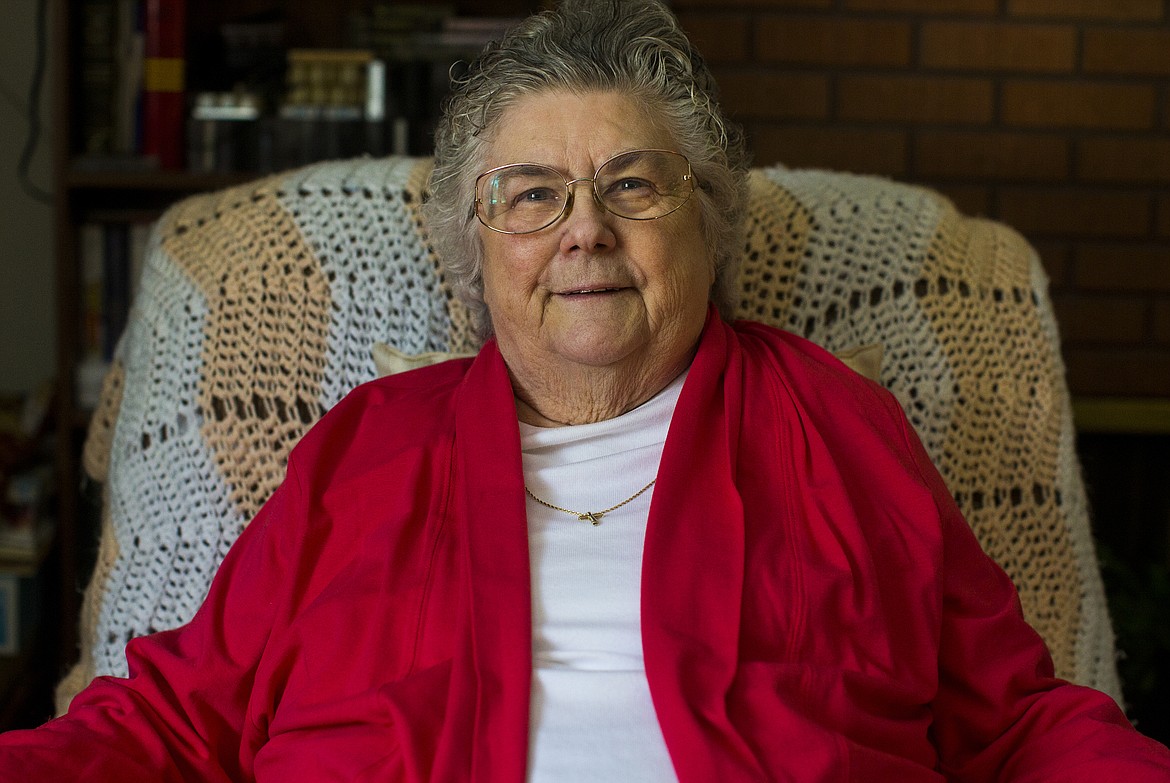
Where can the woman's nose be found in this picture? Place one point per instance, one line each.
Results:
(586, 222)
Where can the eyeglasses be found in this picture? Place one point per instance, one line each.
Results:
(521, 198)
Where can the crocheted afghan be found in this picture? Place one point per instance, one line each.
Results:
(259, 306)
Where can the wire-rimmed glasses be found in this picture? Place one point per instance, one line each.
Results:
(521, 198)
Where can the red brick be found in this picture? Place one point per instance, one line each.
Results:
(832, 41)
(1162, 320)
(1124, 159)
(968, 199)
(1114, 10)
(1111, 372)
(926, 6)
(1100, 319)
(1075, 213)
(983, 155)
(981, 46)
(749, 94)
(1127, 51)
(1078, 105)
(1055, 257)
(915, 99)
(843, 149)
(1123, 267)
(721, 37)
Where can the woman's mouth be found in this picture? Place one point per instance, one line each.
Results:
(581, 291)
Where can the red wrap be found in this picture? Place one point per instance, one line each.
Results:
(814, 606)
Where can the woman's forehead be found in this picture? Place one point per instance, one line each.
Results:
(573, 132)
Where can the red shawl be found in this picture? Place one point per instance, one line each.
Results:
(813, 606)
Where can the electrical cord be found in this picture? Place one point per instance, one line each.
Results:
(34, 111)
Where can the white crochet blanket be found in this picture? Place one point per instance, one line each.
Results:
(260, 305)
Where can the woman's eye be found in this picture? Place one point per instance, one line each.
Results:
(630, 185)
(536, 196)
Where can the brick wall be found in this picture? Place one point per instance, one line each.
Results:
(1051, 115)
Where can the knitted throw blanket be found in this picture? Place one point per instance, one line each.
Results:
(259, 307)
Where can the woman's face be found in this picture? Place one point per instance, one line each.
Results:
(592, 289)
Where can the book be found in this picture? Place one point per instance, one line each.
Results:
(9, 614)
(164, 81)
(92, 366)
(115, 286)
(129, 59)
(98, 76)
(329, 110)
(91, 238)
(112, 257)
(139, 245)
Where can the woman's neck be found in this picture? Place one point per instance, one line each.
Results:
(582, 395)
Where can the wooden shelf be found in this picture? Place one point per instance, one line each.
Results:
(83, 178)
(110, 190)
(1122, 415)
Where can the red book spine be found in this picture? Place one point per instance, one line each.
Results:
(164, 81)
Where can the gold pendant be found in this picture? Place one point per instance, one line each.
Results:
(593, 517)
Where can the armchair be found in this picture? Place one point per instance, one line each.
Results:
(259, 307)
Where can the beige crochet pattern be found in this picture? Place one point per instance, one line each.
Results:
(259, 307)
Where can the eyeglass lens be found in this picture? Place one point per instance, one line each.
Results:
(639, 185)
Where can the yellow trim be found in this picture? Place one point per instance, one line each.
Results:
(360, 56)
(163, 74)
(1146, 415)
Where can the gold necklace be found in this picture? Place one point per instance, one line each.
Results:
(590, 516)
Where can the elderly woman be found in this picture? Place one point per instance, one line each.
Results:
(629, 540)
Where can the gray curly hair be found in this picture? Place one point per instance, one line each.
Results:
(633, 47)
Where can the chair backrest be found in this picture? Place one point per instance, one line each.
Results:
(259, 306)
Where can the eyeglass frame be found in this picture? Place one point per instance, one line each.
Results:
(689, 177)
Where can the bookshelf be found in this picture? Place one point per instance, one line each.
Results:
(102, 180)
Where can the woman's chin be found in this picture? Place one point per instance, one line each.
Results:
(602, 337)
(595, 351)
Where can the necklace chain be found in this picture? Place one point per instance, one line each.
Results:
(593, 517)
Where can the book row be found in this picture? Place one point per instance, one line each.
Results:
(246, 100)
(112, 256)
